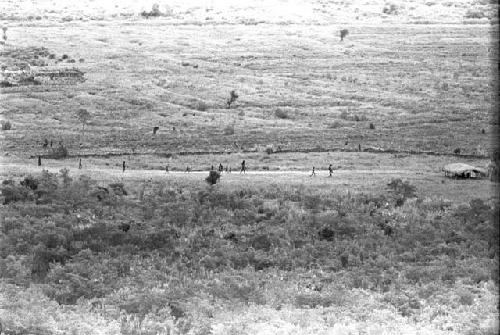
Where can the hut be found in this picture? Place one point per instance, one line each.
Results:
(461, 170)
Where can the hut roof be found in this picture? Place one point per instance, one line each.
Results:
(458, 168)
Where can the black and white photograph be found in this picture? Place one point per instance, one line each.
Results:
(258, 167)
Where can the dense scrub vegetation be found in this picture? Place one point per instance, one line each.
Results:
(142, 259)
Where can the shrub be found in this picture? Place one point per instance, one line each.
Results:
(475, 14)
(200, 106)
(229, 130)
(343, 34)
(155, 12)
(457, 151)
(401, 191)
(58, 152)
(335, 124)
(30, 182)
(14, 193)
(281, 114)
(269, 149)
(232, 98)
(6, 125)
(213, 177)
(390, 8)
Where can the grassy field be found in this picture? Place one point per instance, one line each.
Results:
(387, 245)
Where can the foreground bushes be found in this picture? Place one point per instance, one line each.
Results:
(79, 240)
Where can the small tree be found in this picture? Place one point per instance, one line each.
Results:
(83, 116)
(343, 33)
(4, 34)
(232, 98)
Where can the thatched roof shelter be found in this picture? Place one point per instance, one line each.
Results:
(461, 170)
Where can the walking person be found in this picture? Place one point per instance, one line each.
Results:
(359, 147)
(313, 174)
(221, 168)
(166, 168)
(80, 164)
(123, 166)
(39, 160)
(330, 170)
(243, 167)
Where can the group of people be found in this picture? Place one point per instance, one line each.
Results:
(330, 171)
(220, 169)
(243, 168)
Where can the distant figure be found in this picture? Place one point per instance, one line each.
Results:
(45, 143)
(243, 167)
(211, 168)
(221, 168)
(80, 164)
(188, 169)
(39, 161)
(313, 174)
(330, 169)
(51, 143)
(166, 169)
(123, 165)
(173, 128)
(227, 169)
(359, 147)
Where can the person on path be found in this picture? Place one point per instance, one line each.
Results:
(80, 164)
(123, 166)
(221, 168)
(39, 161)
(330, 170)
(359, 147)
(166, 168)
(243, 167)
(212, 168)
(313, 174)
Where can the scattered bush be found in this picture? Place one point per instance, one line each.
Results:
(58, 152)
(155, 12)
(457, 151)
(281, 114)
(232, 98)
(474, 13)
(343, 34)
(269, 149)
(6, 125)
(200, 106)
(229, 130)
(390, 8)
(401, 191)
